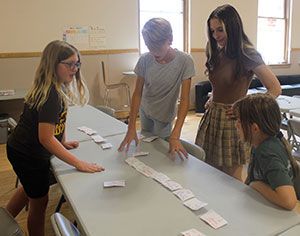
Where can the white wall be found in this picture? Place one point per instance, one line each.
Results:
(27, 26)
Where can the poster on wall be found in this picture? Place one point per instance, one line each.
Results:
(97, 37)
(77, 36)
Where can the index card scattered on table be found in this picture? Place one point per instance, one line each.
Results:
(7, 92)
(150, 139)
(160, 177)
(213, 219)
(192, 232)
(140, 136)
(106, 145)
(195, 204)
(114, 183)
(171, 185)
(97, 138)
(184, 194)
(138, 154)
(87, 130)
(131, 160)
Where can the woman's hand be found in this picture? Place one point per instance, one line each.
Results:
(207, 104)
(176, 146)
(88, 167)
(229, 112)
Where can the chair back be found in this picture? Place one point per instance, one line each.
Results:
(193, 149)
(8, 225)
(62, 226)
(294, 129)
(107, 110)
(103, 73)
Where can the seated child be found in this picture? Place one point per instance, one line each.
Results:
(272, 168)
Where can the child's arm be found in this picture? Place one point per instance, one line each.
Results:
(47, 139)
(268, 79)
(136, 101)
(175, 144)
(284, 196)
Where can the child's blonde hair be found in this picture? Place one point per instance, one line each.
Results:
(46, 77)
(156, 32)
(263, 110)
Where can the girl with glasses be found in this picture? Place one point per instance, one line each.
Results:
(40, 132)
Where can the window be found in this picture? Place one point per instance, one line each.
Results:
(171, 10)
(273, 30)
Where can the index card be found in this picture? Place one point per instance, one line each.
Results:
(192, 232)
(213, 219)
(171, 185)
(106, 145)
(184, 194)
(160, 177)
(150, 139)
(114, 183)
(195, 204)
(97, 138)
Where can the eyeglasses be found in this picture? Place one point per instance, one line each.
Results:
(71, 65)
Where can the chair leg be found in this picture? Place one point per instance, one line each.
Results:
(61, 201)
(129, 97)
(106, 97)
(17, 182)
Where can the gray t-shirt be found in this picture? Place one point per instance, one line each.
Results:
(162, 84)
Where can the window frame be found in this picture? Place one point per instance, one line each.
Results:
(186, 26)
(287, 33)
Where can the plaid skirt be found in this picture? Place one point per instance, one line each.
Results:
(217, 135)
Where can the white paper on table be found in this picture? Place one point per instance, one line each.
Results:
(184, 194)
(160, 177)
(114, 183)
(150, 139)
(131, 160)
(171, 185)
(195, 204)
(147, 171)
(139, 165)
(140, 136)
(138, 154)
(87, 130)
(192, 232)
(106, 145)
(213, 219)
(98, 139)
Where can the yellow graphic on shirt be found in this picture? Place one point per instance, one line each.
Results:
(60, 127)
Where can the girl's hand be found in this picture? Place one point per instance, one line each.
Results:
(131, 134)
(229, 112)
(176, 146)
(88, 167)
(71, 145)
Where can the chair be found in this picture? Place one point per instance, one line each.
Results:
(294, 129)
(193, 149)
(108, 110)
(62, 226)
(8, 225)
(109, 87)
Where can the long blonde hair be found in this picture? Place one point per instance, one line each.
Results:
(263, 110)
(46, 77)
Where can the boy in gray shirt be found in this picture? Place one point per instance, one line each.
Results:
(160, 73)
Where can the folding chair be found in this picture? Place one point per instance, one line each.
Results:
(62, 226)
(193, 149)
(8, 225)
(294, 129)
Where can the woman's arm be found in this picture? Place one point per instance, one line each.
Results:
(268, 79)
(135, 105)
(284, 196)
(47, 139)
(175, 144)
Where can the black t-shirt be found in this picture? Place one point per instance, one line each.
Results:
(25, 136)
